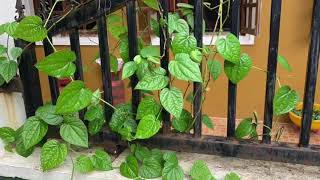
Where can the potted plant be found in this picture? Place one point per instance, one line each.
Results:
(296, 116)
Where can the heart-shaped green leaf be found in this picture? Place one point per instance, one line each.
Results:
(31, 29)
(33, 131)
(183, 122)
(129, 69)
(244, 128)
(200, 171)
(48, 114)
(129, 168)
(148, 127)
(182, 27)
(151, 82)
(59, 64)
(8, 69)
(101, 161)
(83, 164)
(183, 43)
(74, 131)
(53, 154)
(285, 100)
(215, 68)
(196, 56)
(229, 48)
(172, 101)
(236, 72)
(147, 106)
(7, 135)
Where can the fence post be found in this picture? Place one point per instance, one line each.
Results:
(311, 77)
(272, 68)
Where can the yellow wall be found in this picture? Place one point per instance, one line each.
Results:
(294, 44)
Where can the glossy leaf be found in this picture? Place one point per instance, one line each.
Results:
(31, 29)
(244, 128)
(184, 68)
(172, 19)
(10, 28)
(141, 152)
(15, 52)
(74, 97)
(48, 114)
(200, 171)
(284, 63)
(8, 69)
(172, 172)
(150, 51)
(33, 131)
(229, 48)
(182, 122)
(74, 131)
(182, 27)
(237, 72)
(129, 69)
(59, 64)
(172, 101)
(152, 82)
(83, 164)
(151, 168)
(196, 56)
(129, 168)
(285, 100)
(95, 126)
(148, 127)
(101, 161)
(215, 68)
(206, 120)
(183, 43)
(7, 135)
(94, 112)
(53, 154)
(147, 106)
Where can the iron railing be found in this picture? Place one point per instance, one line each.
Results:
(96, 10)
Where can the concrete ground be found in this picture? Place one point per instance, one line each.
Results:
(12, 165)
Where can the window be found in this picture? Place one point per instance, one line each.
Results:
(42, 7)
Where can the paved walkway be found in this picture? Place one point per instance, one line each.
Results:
(290, 134)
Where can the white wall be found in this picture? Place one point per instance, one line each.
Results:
(7, 13)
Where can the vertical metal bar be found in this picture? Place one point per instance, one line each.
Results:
(75, 47)
(197, 87)
(311, 78)
(133, 49)
(272, 68)
(53, 82)
(29, 76)
(164, 50)
(232, 88)
(105, 64)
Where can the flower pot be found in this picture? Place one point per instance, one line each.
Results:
(315, 126)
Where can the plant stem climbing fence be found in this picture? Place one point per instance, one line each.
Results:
(96, 10)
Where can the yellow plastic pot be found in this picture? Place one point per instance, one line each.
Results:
(297, 119)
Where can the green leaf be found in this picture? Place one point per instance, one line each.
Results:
(148, 127)
(284, 63)
(8, 69)
(229, 48)
(196, 56)
(185, 5)
(215, 69)
(236, 72)
(124, 48)
(190, 20)
(10, 28)
(200, 171)
(101, 161)
(96, 96)
(2, 81)
(182, 122)
(31, 29)
(83, 164)
(147, 106)
(20, 148)
(155, 26)
(95, 126)
(172, 172)
(73, 98)
(58, 64)
(94, 112)
(183, 43)
(172, 19)
(113, 63)
(182, 27)
(141, 152)
(232, 176)
(15, 52)
(7, 135)
(33, 131)
(171, 157)
(150, 51)
(117, 30)
(8, 148)
(114, 19)
(3, 49)
(151, 168)
(285, 100)
(207, 121)
(74, 131)
(153, 4)
(53, 154)
(184, 68)
(152, 82)
(128, 129)
(172, 101)
(48, 115)
(129, 69)
(244, 128)
(153, 59)
(129, 168)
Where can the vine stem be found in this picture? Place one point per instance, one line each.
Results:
(55, 50)
(72, 172)
(51, 11)
(108, 103)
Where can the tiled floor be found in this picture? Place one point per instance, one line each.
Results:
(290, 133)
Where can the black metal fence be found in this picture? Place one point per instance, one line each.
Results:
(196, 142)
